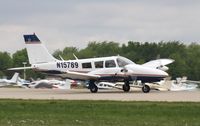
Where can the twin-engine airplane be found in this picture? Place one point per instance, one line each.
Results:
(93, 70)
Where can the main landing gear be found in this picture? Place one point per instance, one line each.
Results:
(126, 86)
(92, 86)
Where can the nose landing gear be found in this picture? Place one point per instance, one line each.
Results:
(146, 88)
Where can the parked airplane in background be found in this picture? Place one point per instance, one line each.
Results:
(183, 84)
(106, 85)
(13, 80)
(63, 84)
(50, 83)
(94, 70)
(23, 83)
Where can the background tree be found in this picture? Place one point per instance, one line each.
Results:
(5, 63)
(193, 61)
(66, 54)
(95, 49)
(18, 58)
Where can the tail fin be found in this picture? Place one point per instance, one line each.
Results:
(37, 52)
(15, 78)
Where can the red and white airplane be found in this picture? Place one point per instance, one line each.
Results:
(93, 70)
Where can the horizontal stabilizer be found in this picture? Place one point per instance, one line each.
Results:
(20, 68)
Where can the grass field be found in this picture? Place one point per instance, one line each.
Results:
(97, 113)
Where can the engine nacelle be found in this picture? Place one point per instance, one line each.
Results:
(163, 68)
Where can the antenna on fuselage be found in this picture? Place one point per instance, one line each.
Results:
(61, 58)
(75, 56)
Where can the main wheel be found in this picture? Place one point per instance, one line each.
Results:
(126, 88)
(94, 89)
(146, 89)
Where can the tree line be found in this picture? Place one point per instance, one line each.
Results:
(187, 57)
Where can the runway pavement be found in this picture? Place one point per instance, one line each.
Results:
(84, 94)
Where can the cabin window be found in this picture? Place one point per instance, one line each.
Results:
(86, 65)
(110, 63)
(98, 64)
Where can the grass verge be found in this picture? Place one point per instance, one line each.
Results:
(98, 113)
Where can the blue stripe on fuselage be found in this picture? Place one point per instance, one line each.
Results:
(144, 79)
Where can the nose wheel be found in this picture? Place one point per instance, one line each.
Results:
(146, 89)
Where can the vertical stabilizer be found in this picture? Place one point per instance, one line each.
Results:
(37, 52)
(14, 78)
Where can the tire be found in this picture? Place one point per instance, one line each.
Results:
(146, 89)
(126, 88)
(93, 89)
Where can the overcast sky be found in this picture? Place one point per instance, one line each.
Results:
(61, 23)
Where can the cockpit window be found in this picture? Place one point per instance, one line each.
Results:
(121, 61)
(110, 63)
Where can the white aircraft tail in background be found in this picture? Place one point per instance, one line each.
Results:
(13, 80)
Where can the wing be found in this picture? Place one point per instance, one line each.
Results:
(158, 63)
(79, 76)
(68, 74)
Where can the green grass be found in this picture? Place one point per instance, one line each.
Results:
(97, 113)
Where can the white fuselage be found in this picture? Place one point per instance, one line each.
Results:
(106, 67)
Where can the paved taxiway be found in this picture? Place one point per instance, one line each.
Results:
(84, 94)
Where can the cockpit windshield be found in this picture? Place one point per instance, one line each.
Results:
(122, 61)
